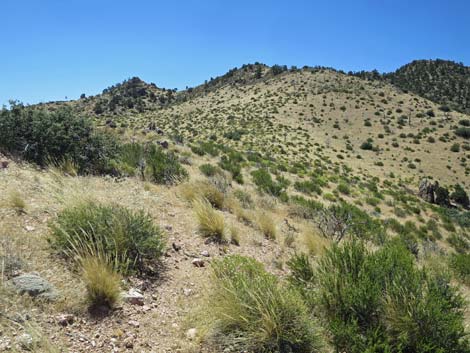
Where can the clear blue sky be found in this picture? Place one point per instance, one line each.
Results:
(56, 48)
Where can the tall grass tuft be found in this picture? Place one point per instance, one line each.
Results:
(211, 221)
(266, 225)
(248, 309)
(17, 202)
(101, 280)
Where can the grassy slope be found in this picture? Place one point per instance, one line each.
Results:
(295, 112)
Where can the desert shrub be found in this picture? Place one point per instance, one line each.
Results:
(460, 196)
(304, 208)
(250, 310)
(211, 222)
(231, 163)
(380, 301)
(307, 187)
(41, 136)
(367, 145)
(209, 170)
(344, 188)
(340, 220)
(459, 243)
(464, 122)
(455, 147)
(442, 196)
(130, 238)
(460, 264)
(164, 167)
(262, 178)
(463, 132)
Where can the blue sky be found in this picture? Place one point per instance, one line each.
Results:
(51, 49)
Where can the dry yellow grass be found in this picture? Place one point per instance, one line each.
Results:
(266, 224)
(211, 222)
(202, 189)
(313, 243)
(16, 201)
(101, 281)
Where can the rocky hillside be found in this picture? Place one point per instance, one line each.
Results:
(272, 209)
(442, 81)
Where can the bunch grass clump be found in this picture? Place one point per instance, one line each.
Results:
(211, 222)
(266, 225)
(102, 281)
(17, 202)
(129, 239)
(251, 310)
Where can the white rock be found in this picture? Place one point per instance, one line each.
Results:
(191, 334)
(133, 296)
(198, 262)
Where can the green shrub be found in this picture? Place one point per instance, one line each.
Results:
(381, 302)
(367, 145)
(164, 167)
(130, 238)
(209, 170)
(307, 187)
(231, 163)
(463, 132)
(250, 310)
(460, 264)
(455, 147)
(41, 136)
(344, 188)
(129, 159)
(262, 178)
(460, 196)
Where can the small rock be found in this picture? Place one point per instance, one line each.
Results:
(65, 320)
(198, 262)
(129, 342)
(35, 286)
(29, 228)
(4, 164)
(176, 247)
(134, 323)
(26, 341)
(191, 334)
(187, 292)
(134, 297)
(205, 253)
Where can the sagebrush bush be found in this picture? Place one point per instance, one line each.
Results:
(129, 237)
(40, 136)
(250, 310)
(211, 222)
